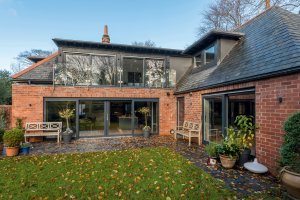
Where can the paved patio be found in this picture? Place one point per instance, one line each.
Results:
(242, 181)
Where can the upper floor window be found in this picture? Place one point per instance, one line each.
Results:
(206, 56)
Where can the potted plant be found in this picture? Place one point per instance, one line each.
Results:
(67, 114)
(290, 156)
(211, 150)
(1, 139)
(12, 139)
(146, 129)
(25, 148)
(245, 136)
(229, 150)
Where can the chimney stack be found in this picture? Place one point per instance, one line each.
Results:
(105, 37)
(268, 4)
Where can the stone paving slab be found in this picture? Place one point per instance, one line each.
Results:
(242, 181)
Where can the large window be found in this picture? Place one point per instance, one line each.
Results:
(84, 69)
(155, 73)
(133, 72)
(206, 56)
(221, 110)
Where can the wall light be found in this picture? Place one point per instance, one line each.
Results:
(191, 94)
(279, 99)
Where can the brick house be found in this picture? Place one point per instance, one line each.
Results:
(253, 70)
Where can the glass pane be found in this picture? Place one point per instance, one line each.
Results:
(155, 74)
(210, 54)
(91, 118)
(80, 69)
(180, 111)
(150, 119)
(198, 60)
(240, 104)
(213, 119)
(52, 113)
(120, 118)
(133, 72)
(172, 77)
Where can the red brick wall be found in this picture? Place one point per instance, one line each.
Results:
(270, 114)
(27, 100)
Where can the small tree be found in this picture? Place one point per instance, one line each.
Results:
(67, 114)
(145, 111)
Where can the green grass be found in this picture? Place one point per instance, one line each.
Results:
(149, 173)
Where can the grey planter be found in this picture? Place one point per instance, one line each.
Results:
(146, 133)
(67, 138)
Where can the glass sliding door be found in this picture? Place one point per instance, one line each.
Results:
(120, 118)
(91, 118)
(52, 109)
(213, 119)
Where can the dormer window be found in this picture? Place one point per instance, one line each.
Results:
(210, 54)
(198, 60)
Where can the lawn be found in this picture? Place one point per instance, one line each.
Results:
(149, 173)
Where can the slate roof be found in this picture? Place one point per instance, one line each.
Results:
(270, 47)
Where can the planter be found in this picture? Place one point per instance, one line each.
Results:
(146, 133)
(291, 181)
(244, 157)
(67, 138)
(211, 161)
(12, 151)
(227, 161)
(4, 151)
(24, 150)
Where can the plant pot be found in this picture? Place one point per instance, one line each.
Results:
(24, 150)
(12, 151)
(291, 181)
(146, 133)
(211, 161)
(67, 138)
(227, 161)
(244, 157)
(4, 151)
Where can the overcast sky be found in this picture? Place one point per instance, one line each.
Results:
(31, 24)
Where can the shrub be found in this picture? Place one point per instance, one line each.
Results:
(13, 137)
(211, 149)
(226, 149)
(290, 149)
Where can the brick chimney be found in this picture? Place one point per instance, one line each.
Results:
(268, 4)
(105, 37)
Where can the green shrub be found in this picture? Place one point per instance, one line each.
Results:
(211, 149)
(13, 137)
(1, 134)
(290, 149)
(226, 149)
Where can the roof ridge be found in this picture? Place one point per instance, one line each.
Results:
(34, 65)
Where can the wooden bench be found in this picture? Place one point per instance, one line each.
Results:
(33, 129)
(189, 130)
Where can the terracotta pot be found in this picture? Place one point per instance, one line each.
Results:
(12, 151)
(291, 181)
(227, 161)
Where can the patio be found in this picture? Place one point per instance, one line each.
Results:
(242, 181)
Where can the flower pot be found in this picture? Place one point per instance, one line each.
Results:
(227, 161)
(244, 157)
(24, 150)
(291, 181)
(146, 133)
(4, 151)
(67, 138)
(12, 151)
(211, 161)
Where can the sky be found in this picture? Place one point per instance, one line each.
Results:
(32, 24)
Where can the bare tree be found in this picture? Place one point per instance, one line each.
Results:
(147, 43)
(21, 61)
(229, 14)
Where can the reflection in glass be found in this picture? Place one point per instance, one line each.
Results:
(210, 53)
(133, 71)
(155, 73)
(91, 118)
(52, 113)
(120, 118)
(213, 119)
(240, 104)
